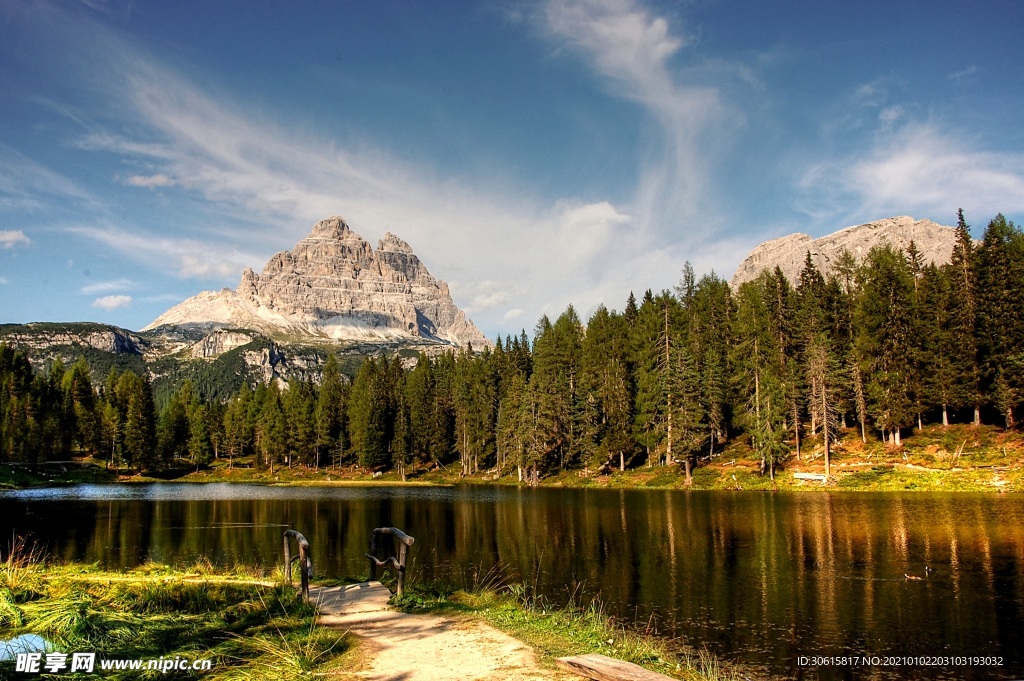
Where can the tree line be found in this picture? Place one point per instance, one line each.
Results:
(879, 347)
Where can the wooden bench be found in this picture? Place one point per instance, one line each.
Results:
(816, 477)
(604, 668)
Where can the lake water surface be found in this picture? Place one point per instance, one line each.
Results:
(758, 578)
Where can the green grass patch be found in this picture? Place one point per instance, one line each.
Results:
(250, 629)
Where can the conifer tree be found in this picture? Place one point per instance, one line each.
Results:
(962, 274)
(1000, 318)
(759, 370)
(329, 416)
(606, 373)
(884, 339)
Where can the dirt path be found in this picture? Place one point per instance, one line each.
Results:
(406, 647)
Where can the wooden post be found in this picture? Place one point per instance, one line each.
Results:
(305, 561)
(405, 541)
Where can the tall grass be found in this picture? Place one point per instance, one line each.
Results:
(249, 630)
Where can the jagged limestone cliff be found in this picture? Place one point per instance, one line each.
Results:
(334, 286)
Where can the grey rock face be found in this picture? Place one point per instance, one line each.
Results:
(41, 336)
(334, 286)
(935, 242)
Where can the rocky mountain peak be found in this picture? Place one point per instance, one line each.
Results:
(392, 243)
(333, 285)
(332, 228)
(934, 241)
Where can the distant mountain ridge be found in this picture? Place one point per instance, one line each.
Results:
(333, 286)
(934, 241)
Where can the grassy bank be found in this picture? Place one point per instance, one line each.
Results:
(250, 628)
(953, 459)
(575, 629)
(52, 473)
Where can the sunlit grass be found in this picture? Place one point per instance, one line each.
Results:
(248, 628)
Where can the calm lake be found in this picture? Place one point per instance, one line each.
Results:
(762, 579)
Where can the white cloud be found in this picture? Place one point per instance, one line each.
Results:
(4, 281)
(890, 116)
(964, 74)
(187, 258)
(633, 50)
(273, 182)
(25, 183)
(923, 170)
(110, 303)
(107, 286)
(150, 181)
(13, 237)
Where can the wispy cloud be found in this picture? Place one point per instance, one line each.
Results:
(4, 281)
(25, 183)
(964, 74)
(922, 169)
(107, 286)
(270, 181)
(279, 181)
(188, 258)
(110, 303)
(632, 49)
(13, 237)
(149, 181)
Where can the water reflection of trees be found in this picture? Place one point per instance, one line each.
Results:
(774, 576)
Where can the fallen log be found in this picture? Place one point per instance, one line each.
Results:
(604, 668)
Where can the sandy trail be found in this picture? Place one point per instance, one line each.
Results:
(406, 647)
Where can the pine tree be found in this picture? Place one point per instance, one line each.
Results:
(1000, 322)
(760, 370)
(884, 339)
(936, 334)
(606, 375)
(822, 377)
(402, 440)
(329, 416)
(963, 352)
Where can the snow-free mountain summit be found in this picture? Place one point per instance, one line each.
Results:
(334, 286)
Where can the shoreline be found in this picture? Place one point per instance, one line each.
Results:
(159, 600)
(935, 459)
(882, 477)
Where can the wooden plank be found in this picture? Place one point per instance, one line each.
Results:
(604, 668)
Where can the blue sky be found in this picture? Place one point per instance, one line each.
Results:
(534, 154)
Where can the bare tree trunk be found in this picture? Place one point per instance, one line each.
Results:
(977, 415)
(945, 417)
(622, 461)
(825, 433)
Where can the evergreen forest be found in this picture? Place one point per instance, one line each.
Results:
(878, 348)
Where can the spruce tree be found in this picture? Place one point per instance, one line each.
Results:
(963, 350)
(885, 339)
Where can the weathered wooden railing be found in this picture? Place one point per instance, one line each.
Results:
(304, 558)
(404, 542)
